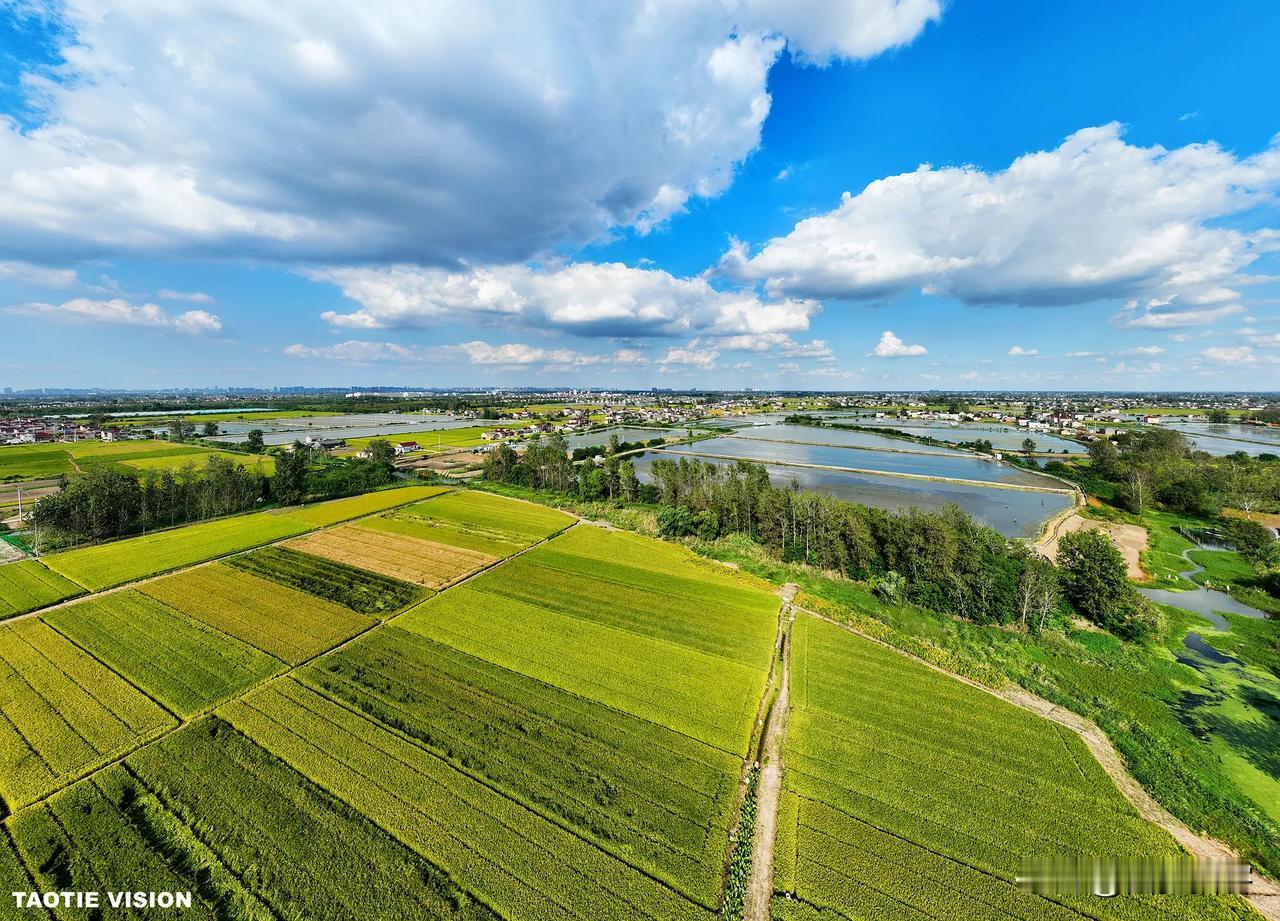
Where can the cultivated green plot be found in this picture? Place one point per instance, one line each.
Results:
(627, 639)
(327, 513)
(910, 794)
(701, 695)
(107, 565)
(277, 845)
(292, 626)
(28, 585)
(29, 462)
(478, 521)
(64, 713)
(358, 589)
(735, 624)
(182, 662)
(511, 857)
(651, 796)
(13, 875)
(105, 834)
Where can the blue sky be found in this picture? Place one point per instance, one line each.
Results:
(714, 195)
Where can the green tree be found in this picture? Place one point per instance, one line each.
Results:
(1028, 445)
(254, 441)
(380, 452)
(210, 430)
(501, 464)
(290, 482)
(1095, 580)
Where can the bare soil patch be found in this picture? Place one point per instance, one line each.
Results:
(1130, 538)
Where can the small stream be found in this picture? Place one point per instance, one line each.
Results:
(1206, 602)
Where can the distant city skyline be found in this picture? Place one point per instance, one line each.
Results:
(883, 195)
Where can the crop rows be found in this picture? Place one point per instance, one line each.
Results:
(61, 712)
(482, 521)
(912, 795)
(512, 858)
(613, 594)
(358, 589)
(409, 559)
(93, 836)
(107, 565)
(280, 840)
(185, 664)
(651, 796)
(703, 696)
(27, 585)
(323, 514)
(647, 649)
(290, 625)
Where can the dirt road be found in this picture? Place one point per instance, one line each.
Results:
(1130, 538)
(769, 786)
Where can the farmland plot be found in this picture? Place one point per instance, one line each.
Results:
(61, 712)
(326, 513)
(13, 875)
(912, 795)
(278, 845)
(650, 663)
(185, 664)
(27, 585)
(478, 521)
(290, 625)
(509, 856)
(107, 565)
(99, 834)
(366, 592)
(30, 462)
(410, 559)
(656, 799)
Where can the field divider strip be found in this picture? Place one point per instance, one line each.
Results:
(165, 731)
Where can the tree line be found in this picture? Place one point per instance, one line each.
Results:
(108, 502)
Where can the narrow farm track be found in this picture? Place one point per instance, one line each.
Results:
(1264, 893)
(181, 722)
(769, 788)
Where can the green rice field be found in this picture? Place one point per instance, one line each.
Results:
(909, 794)
(28, 584)
(564, 731)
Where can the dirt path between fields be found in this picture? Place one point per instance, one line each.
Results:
(1264, 893)
(769, 786)
(1130, 538)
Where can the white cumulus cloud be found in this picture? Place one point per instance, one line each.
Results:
(1095, 218)
(1018, 350)
(691, 356)
(390, 130)
(1161, 315)
(475, 352)
(890, 346)
(588, 299)
(120, 312)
